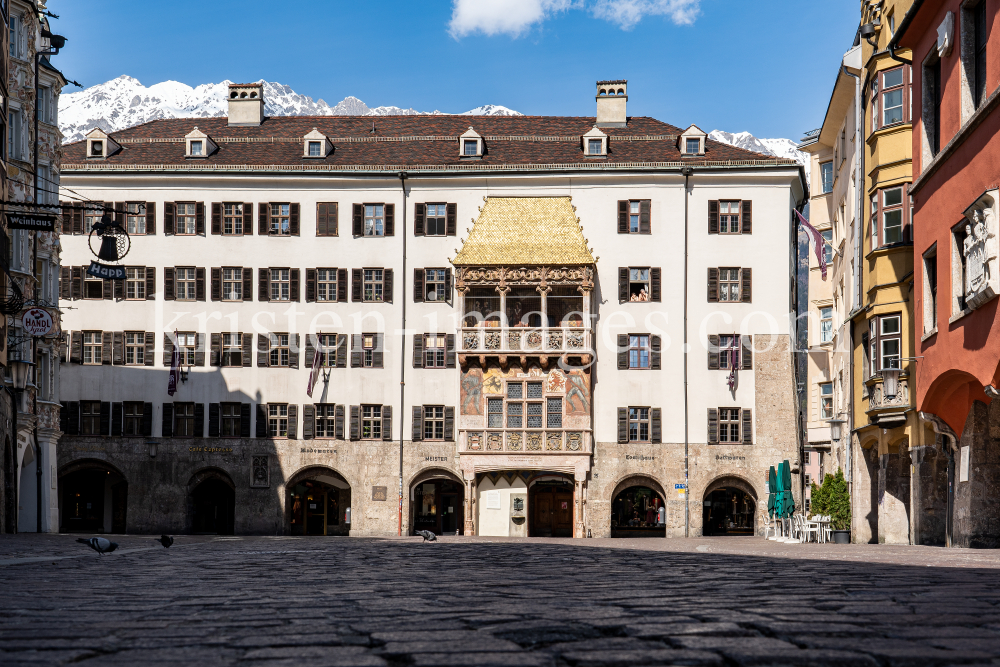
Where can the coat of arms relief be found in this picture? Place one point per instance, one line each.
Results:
(980, 249)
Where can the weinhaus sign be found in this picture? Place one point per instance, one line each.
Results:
(38, 223)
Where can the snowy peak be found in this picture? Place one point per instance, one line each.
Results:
(125, 102)
(785, 148)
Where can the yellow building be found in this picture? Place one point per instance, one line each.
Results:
(885, 421)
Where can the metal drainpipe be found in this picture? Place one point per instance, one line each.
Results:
(687, 171)
(402, 358)
(859, 218)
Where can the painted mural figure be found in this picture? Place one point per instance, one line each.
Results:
(974, 248)
(577, 390)
(472, 394)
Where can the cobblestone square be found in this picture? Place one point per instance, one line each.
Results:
(468, 601)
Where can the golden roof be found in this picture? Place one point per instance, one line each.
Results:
(525, 230)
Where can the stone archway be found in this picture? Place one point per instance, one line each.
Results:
(318, 502)
(437, 502)
(93, 497)
(729, 507)
(211, 503)
(635, 508)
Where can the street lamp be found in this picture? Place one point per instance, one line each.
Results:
(890, 383)
(836, 428)
(20, 371)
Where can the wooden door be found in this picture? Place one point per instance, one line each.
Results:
(542, 514)
(315, 509)
(562, 516)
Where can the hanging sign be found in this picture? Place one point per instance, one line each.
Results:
(106, 272)
(36, 322)
(38, 223)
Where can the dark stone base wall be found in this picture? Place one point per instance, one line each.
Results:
(977, 501)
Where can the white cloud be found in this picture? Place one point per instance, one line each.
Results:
(515, 17)
(627, 13)
(492, 17)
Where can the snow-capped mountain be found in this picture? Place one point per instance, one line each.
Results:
(124, 102)
(776, 147)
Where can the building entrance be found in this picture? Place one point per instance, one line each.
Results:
(551, 509)
(319, 503)
(214, 508)
(94, 500)
(635, 513)
(438, 506)
(728, 511)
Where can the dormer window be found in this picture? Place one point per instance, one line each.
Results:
(315, 145)
(96, 149)
(471, 144)
(595, 143)
(99, 144)
(198, 144)
(197, 148)
(692, 146)
(594, 146)
(315, 149)
(692, 141)
(470, 147)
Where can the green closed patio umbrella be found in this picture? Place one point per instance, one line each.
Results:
(779, 494)
(788, 506)
(772, 496)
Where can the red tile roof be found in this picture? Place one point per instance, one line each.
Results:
(411, 142)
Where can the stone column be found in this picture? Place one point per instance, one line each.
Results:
(47, 440)
(470, 505)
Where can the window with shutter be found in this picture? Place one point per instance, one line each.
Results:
(638, 424)
(713, 217)
(355, 422)
(419, 213)
(326, 219)
(747, 352)
(417, 430)
(655, 425)
(713, 426)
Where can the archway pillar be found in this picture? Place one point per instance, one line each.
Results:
(48, 438)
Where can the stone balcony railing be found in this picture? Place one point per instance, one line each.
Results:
(527, 340)
(878, 401)
(533, 441)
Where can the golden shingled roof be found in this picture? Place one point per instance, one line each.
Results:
(525, 230)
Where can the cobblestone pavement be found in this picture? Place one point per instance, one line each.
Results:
(476, 601)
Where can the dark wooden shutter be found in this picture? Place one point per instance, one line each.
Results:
(449, 350)
(199, 350)
(377, 352)
(655, 425)
(746, 285)
(167, 428)
(622, 424)
(358, 220)
(150, 210)
(78, 221)
(321, 226)
(357, 278)
(120, 213)
(65, 283)
(308, 422)
(247, 349)
(77, 279)
(654, 353)
(418, 351)
(169, 209)
(216, 283)
(215, 359)
(107, 346)
(149, 349)
(418, 285)
(419, 213)
(263, 223)
(342, 285)
(73, 418)
(263, 284)
(713, 217)
(449, 424)
(199, 420)
(76, 348)
(168, 349)
(293, 284)
(293, 351)
(311, 344)
(248, 219)
(387, 285)
(261, 420)
(216, 218)
(341, 350)
(644, 216)
(622, 284)
(119, 289)
(199, 283)
(168, 283)
(623, 216)
(147, 419)
(263, 350)
(356, 351)
(746, 217)
(418, 423)
(746, 354)
(244, 420)
(248, 284)
(747, 430)
(713, 426)
(293, 422)
(117, 418)
(713, 352)
(214, 418)
(451, 219)
(150, 283)
(654, 284)
(355, 422)
(447, 286)
(64, 418)
(713, 285)
(865, 372)
(293, 224)
(310, 285)
(387, 422)
(107, 288)
(118, 342)
(622, 352)
(389, 228)
(338, 432)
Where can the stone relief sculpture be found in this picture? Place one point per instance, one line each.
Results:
(980, 251)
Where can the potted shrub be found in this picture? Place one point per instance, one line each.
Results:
(838, 505)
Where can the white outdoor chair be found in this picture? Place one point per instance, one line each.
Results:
(769, 527)
(809, 528)
(827, 528)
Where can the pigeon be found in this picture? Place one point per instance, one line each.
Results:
(99, 544)
(427, 535)
(165, 540)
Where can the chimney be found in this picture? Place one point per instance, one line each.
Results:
(246, 104)
(611, 99)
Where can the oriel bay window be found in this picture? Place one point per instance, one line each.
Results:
(890, 97)
(889, 210)
(885, 339)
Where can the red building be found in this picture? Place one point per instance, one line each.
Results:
(956, 178)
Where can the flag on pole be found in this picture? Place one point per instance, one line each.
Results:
(818, 242)
(317, 362)
(734, 361)
(175, 370)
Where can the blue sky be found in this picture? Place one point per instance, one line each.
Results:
(766, 66)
